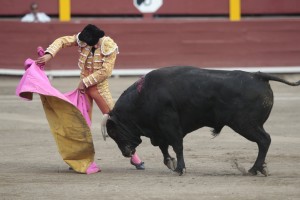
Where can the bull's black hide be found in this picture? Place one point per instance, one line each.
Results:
(171, 102)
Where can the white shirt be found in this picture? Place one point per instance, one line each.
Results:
(42, 17)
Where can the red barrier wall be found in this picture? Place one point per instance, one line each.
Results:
(274, 7)
(169, 7)
(158, 43)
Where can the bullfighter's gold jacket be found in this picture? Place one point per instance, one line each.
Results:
(95, 67)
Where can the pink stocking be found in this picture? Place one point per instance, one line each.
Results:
(135, 159)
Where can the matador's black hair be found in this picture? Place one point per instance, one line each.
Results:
(91, 35)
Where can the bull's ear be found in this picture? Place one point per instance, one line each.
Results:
(111, 128)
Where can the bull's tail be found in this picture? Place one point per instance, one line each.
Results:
(268, 77)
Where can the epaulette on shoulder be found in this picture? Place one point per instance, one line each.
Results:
(108, 46)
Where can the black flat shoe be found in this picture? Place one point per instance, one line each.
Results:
(139, 166)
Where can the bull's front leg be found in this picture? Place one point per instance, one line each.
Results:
(178, 148)
(171, 131)
(169, 161)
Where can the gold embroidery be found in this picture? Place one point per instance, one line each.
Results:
(83, 56)
(108, 46)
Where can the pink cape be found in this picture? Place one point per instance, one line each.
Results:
(67, 115)
(35, 80)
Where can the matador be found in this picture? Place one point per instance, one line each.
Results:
(97, 56)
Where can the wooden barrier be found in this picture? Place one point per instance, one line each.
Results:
(158, 43)
(169, 7)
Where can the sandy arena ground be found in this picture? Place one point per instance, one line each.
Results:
(31, 168)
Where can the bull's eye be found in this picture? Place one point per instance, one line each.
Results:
(112, 134)
(111, 129)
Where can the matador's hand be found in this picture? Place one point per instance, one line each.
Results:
(81, 87)
(43, 59)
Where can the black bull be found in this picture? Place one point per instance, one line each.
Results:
(171, 102)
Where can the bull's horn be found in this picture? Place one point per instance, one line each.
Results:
(103, 126)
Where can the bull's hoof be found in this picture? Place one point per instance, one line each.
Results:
(264, 171)
(252, 172)
(171, 163)
(180, 172)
